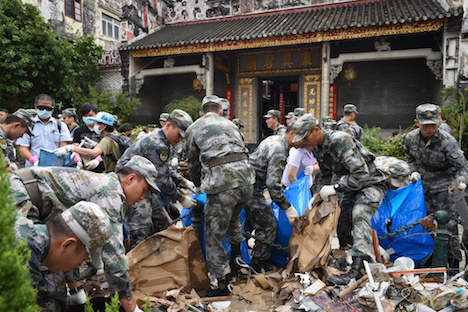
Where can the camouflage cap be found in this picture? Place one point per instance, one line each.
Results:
(92, 227)
(303, 125)
(210, 99)
(427, 114)
(147, 169)
(350, 108)
(69, 112)
(299, 111)
(28, 118)
(225, 104)
(163, 116)
(289, 115)
(273, 113)
(182, 119)
(399, 173)
(238, 122)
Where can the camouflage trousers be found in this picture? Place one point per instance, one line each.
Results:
(261, 218)
(442, 200)
(51, 291)
(222, 219)
(145, 218)
(366, 202)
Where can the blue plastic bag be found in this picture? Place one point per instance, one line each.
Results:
(400, 208)
(298, 195)
(187, 221)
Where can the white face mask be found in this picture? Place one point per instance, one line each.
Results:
(96, 129)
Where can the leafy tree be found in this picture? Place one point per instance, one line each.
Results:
(383, 147)
(16, 290)
(190, 104)
(456, 115)
(35, 60)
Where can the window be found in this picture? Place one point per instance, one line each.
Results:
(110, 27)
(73, 9)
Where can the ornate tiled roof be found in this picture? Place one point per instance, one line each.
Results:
(343, 16)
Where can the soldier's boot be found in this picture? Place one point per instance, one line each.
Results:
(354, 272)
(235, 253)
(258, 265)
(221, 289)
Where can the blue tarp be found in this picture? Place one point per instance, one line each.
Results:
(401, 208)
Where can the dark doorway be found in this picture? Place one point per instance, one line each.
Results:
(280, 94)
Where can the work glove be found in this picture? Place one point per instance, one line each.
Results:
(77, 298)
(188, 203)
(137, 309)
(34, 160)
(461, 186)
(13, 166)
(63, 151)
(79, 165)
(326, 191)
(190, 185)
(174, 162)
(415, 176)
(292, 214)
(88, 143)
(92, 164)
(309, 170)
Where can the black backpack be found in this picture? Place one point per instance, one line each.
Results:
(123, 141)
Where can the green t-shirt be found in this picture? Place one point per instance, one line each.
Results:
(110, 152)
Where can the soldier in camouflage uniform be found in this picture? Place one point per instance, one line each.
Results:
(396, 171)
(226, 105)
(434, 156)
(348, 124)
(299, 112)
(268, 161)
(289, 118)
(354, 172)
(148, 217)
(273, 122)
(14, 126)
(163, 118)
(218, 164)
(328, 123)
(61, 245)
(55, 189)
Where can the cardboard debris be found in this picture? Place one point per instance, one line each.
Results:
(170, 259)
(311, 237)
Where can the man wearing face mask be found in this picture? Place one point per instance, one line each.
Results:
(49, 132)
(87, 131)
(107, 148)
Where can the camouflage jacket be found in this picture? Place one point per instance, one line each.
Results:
(439, 160)
(211, 137)
(156, 148)
(7, 147)
(268, 161)
(444, 126)
(279, 129)
(354, 129)
(62, 188)
(348, 160)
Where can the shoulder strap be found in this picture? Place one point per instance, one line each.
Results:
(30, 182)
(59, 125)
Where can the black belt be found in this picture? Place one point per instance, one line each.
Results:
(227, 159)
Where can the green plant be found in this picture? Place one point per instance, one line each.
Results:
(114, 305)
(190, 104)
(147, 306)
(383, 147)
(454, 111)
(16, 290)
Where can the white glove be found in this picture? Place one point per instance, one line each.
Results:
(188, 203)
(13, 166)
(137, 309)
(88, 143)
(79, 165)
(326, 191)
(174, 162)
(415, 176)
(461, 186)
(92, 164)
(77, 298)
(309, 170)
(36, 163)
(292, 214)
(63, 151)
(190, 185)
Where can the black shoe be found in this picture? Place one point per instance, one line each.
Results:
(222, 289)
(235, 253)
(258, 265)
(354, 272)
(341, 264)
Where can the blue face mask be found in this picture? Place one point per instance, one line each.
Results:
(44, 114)
(87, 121)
